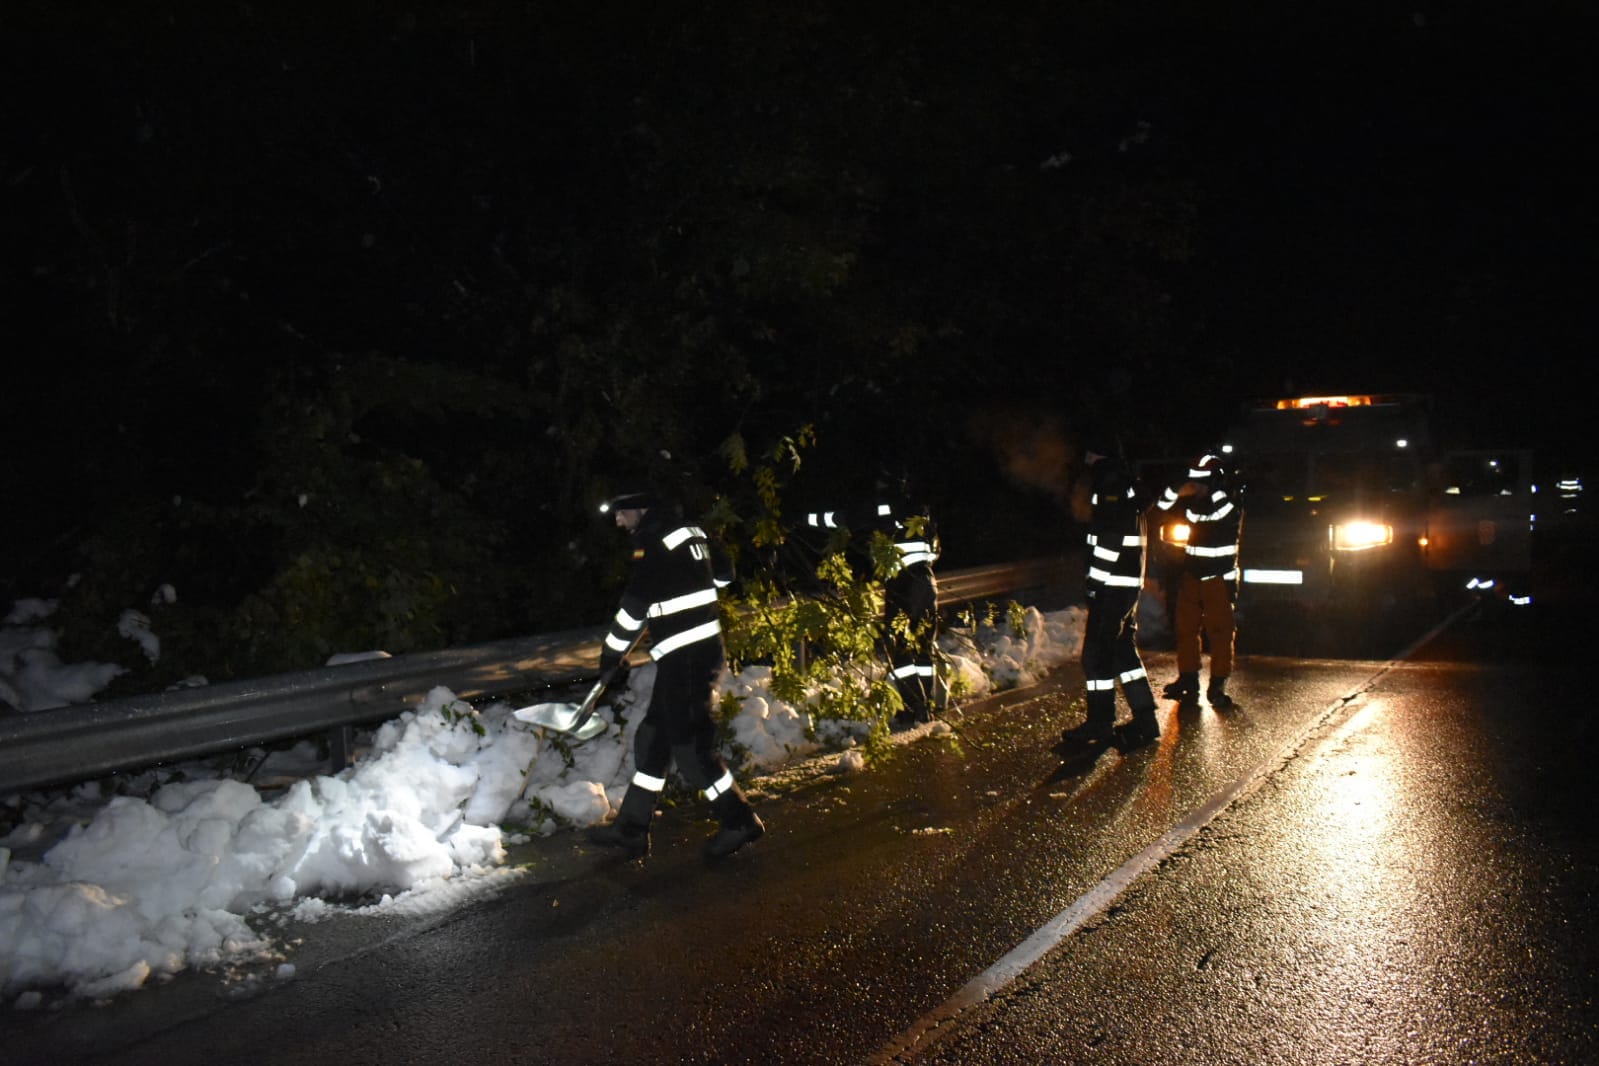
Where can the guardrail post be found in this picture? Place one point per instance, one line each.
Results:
(341, 746)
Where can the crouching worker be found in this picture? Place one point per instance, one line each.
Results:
(673, 589)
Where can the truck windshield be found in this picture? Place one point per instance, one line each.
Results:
(1298, 475)
(1363, 474)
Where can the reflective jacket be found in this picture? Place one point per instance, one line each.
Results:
(1116, 529)
(1214, 522)
(894, 518)
(677, 571)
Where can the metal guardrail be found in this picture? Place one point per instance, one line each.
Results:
(81, 742)
(1046, 577)
(85, 741)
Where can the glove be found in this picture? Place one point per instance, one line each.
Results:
(615, 668)
(619, 678)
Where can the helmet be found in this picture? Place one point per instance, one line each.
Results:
(628, 501)
(1109, 476)
(1208, 467)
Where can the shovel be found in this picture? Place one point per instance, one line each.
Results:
(576, 719)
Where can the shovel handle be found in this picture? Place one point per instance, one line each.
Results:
(586, 710)
(594, 694)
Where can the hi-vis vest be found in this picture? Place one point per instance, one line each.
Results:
(673, 590)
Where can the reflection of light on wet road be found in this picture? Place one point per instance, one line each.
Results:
(1356, 808)
(1359, 915)
(1154, 800)
(1356, 935)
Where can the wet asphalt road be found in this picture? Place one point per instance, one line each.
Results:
(1417, 884)
(1366, 861)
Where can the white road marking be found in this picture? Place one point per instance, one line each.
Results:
(1099, 898)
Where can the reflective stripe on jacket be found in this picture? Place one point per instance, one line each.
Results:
(672, 588)
(1213, 523)
(893, 520)
(1116, 535)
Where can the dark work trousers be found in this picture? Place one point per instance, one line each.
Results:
(678, 723)
(1110, 657)
(912, 594)
(1204, 605)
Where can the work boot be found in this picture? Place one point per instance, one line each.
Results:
(1139, 733)
(630, 829)
(1088, 735)
(910, 718)
(913, 711)
(1216, 694)
(740, 825)
(729, 839)
(1186, 687)
(634, 840)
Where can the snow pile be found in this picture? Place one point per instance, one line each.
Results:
(995, 656)
(139, 888)
(32, 675)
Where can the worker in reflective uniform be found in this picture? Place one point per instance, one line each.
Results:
(672, 589)
(1208, 584)
(910, 592)
(1108, 500)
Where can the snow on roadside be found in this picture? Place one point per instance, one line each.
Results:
(136, 888)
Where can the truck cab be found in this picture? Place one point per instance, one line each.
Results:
(1352, 504)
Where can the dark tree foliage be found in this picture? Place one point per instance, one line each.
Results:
(341, 321)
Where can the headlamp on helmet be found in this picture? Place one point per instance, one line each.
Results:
(628, 501)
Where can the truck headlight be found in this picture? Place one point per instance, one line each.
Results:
(1175, 533)
(1360, 536)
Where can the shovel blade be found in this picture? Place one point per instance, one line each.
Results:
(557, 716)
(589, 729)
(562, 718)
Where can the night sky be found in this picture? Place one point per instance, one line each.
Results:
(1437, 187)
